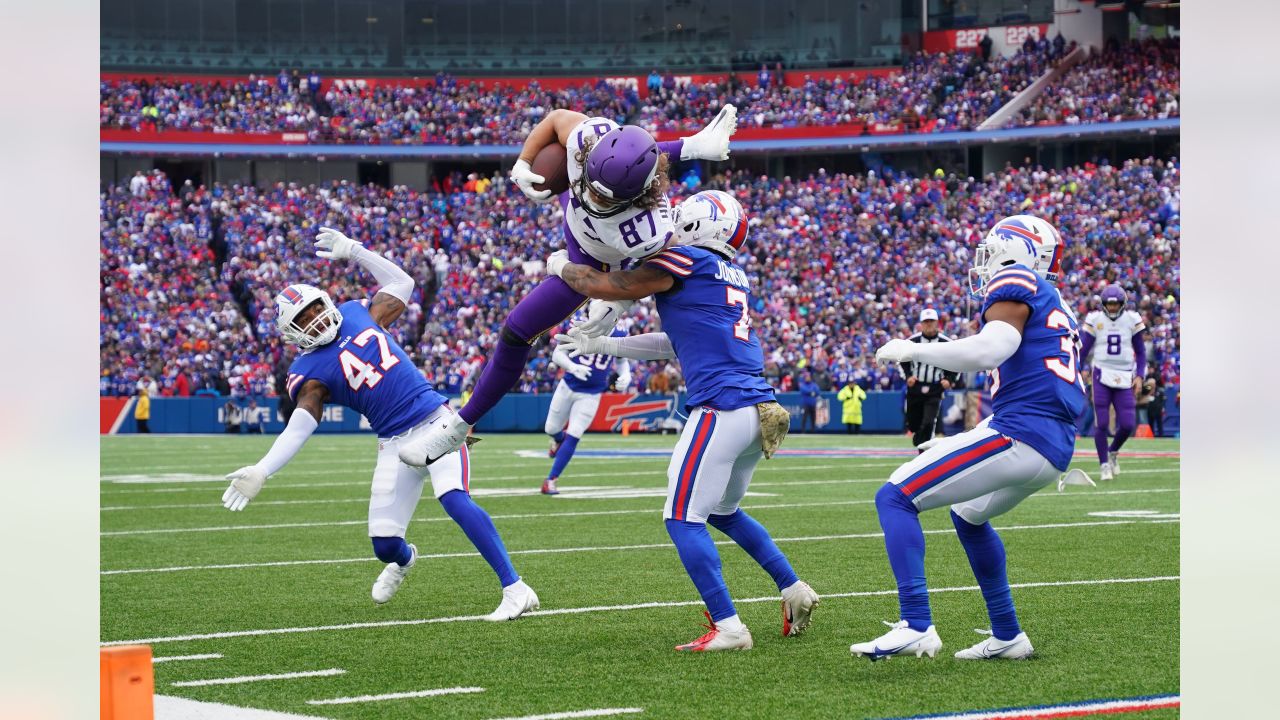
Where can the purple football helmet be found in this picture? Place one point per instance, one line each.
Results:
(620, 167)
(1114, 294)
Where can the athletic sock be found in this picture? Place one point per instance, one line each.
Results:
(479, 529)
(1100, 442)
(563, 455)
(702, 562)
(558, 437)
(904, 542)
(392, 550)
(986, 556)
(733, 623)
(752, 537)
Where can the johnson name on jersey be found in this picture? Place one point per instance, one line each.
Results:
(601, 366)
(1113, 349)
(1038, 393)
(634, 233)
(364, 369)
(706, 316)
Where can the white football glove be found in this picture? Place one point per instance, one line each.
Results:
(895, 351)
(622, 384)
(712, 141)
(245, 485)
(556, 262)
(577, 343)
(582, 372)
(524, 177)
(602, 316)
(333, 245)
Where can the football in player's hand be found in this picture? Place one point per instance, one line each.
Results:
(552, 164)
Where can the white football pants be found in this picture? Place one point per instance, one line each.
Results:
(712, 464)
(397, 487)
(577, 408)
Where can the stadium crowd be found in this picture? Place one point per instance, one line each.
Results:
(932, 92)
(840, 264)
(1138, 80)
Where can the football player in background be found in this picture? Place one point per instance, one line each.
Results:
(1030, 340)
(575, 401)
(703, 299)
(615, 210)
(1115, 345)
(349, 359)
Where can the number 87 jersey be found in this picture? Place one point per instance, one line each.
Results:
(1038, 393)
(705, 315)
(364, 369)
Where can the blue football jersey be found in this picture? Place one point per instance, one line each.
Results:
(601, 366)
(1038, 393)
(705, 316)
(365, 370)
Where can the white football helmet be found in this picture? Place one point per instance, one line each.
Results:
(1044, 236)
(712, 219)
(321, 330)
(1002, 247)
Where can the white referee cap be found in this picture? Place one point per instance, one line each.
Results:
(928, 314)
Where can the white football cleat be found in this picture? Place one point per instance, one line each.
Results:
(901, 640)
(549, 487)
(712, 141)
(717, 639)
(388, 582)
(439, 439)
(798, 602)
(517, 599)
(1018, 648)
(1107, 474)
(1114, 458)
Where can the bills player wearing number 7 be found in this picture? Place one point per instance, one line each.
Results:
(349, 359)
(703, 299)
(1031, 338)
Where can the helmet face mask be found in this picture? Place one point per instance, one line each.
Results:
(1114, 296)
(306, 317)
(712, 219)
(996, 252)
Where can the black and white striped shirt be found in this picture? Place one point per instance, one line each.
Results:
(924, 373)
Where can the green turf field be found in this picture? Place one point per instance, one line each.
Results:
(1101, 605)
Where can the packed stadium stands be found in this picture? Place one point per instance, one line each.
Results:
(841, 263)
(932, 92)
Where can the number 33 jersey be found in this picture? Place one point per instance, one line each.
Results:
(1038, 393)
(633, 233)
(705, 315)
(365, 370)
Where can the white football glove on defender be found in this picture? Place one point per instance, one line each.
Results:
(556, 262)
(524, 177)
(245, 485)
(576, 343)
(333, 245)
(895, 351)
(582, 372)
(602, 316)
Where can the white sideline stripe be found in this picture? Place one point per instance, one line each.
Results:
(575, 513)
(597, 608)
(124, 413)
(602, 712)
(397, 696)
(168, 707)
(1095, 707)
(259, 678)
(175, 658)
(601, 548)
(586, 490)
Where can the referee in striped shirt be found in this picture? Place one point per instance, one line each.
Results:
(925, 383)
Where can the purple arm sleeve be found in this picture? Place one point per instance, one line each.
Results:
(1140, 353)
(672, 148)
(1086, 344)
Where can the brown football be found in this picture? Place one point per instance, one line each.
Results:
(552, 164)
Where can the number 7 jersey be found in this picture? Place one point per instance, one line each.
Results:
(1038, 393)
(364, 369)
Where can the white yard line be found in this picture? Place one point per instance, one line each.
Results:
(168, 707)
(601, 712)
(396, 696)
(259, 678)
(598, 608)
(177, 658)
(1087, 707)
(576, 513)
(603, 548)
